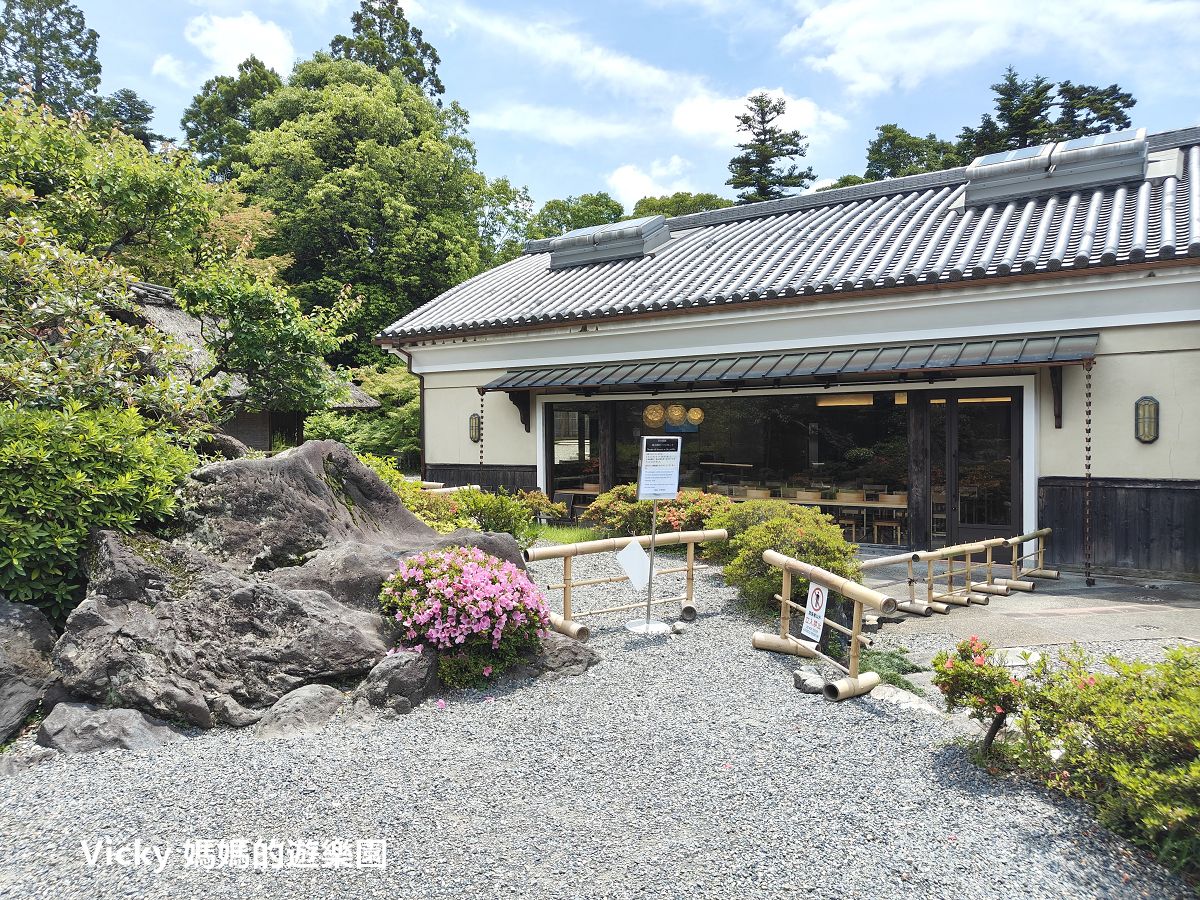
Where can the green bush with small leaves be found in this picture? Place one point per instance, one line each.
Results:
(618, 512)
(1126, 741)
(737, 518)
(66, 471)
(816, 541)
(439, 511)
(501, 512)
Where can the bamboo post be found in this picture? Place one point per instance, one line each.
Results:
(567, 588)
(785, 605)
(687, 609)
(854, 648)
(576, 630)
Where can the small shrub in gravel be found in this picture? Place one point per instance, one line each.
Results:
(481, 613)
(1125, 741)
(440, 512)
(618, 512)
(737, 518)
(499, 512)
(817, 541)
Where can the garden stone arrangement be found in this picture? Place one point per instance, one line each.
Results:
(270, 589)
(682, 766)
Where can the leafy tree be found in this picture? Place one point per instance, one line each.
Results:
(260, 341)
(895, 153)
(105, 195)
(218, 121)
(846, 181)
(1085, 109)
(504, 215)
(756, 171)
(371, 185)
(126, 110)
(681, 203)
(392, 430)
(65, 336)
(47, 45)
(560, 216)
(385, 40)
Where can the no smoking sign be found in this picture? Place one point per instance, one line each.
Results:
(814, 613)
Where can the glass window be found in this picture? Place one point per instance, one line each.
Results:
(575, 445)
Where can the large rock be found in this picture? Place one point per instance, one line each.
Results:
(264, 514)
(302, 711)
(166, 630)
(82, 728)
(26, 640)
(401, 681)
(564, 655)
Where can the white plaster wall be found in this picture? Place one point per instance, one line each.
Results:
(450, 398)
(1161, 361)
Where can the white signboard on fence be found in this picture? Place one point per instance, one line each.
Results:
(658, 475)
(814, 613)
(636, 563)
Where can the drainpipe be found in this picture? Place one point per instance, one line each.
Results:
(400, 351)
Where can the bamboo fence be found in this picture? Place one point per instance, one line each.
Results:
(566, 622)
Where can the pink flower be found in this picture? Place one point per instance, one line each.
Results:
(441, 704)
(949, 664)
(999, 709)
(979, 660)
(487, 671)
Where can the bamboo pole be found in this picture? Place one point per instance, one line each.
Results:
(576, 630)
(999, 587)
(760, 640)
(566, 588)
(844, 586)
(1014, 585)
(641, 604)
(914, 608)
(845, 688)
(856, 630)
(608, 545)
(876, 562)
(1042, 573)
(687, 607)
(785, 606)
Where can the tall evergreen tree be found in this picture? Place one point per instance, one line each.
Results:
(131, 113)
(217, 123)
(756, 171)
(384, 39)
(47, 45)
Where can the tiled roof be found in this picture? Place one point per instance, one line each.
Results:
(909, 231)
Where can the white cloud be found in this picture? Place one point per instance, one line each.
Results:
(171, 68)
(225, 41)
(876, 45)
(630, 183)
(558, 125)
(711, 117)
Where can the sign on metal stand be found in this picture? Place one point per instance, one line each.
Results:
(658, 479)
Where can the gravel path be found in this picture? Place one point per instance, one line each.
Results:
(685, 766)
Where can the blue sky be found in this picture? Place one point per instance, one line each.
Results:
(638, 96)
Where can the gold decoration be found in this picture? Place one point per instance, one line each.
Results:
(653, 415)
(676, 413)
(695, 415)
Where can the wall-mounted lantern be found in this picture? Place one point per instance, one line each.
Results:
(1145, 420)
(475, 428)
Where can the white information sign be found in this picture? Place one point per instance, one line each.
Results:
(814, 613)
(658, 476)
(636, 563)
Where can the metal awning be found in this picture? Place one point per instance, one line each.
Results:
(804, 366)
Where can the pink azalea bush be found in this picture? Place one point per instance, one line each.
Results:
(481, 613)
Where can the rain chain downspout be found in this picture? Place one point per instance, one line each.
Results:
(1087, 475)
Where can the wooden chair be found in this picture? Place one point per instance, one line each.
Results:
(895, 524)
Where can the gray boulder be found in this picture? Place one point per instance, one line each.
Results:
(83, 728)
(302, 711)
(166, 630)
(401, 681)
(564, 655)
(263, 514)
(26, 640)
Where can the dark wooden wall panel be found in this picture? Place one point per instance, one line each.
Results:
(1141, 525)
(489, 477)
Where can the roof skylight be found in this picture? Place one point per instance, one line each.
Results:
(603, 243)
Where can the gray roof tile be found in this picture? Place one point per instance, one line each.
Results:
(908, 231)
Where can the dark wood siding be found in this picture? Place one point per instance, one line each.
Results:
(489, 477)
(1138, 525)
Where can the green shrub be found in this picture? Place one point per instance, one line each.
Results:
(1126, 741)
(64, 472)
(392, 430)
(816, 541)
(540, 506)
(438, 511)
(891, 666)
(736, 518)
(498, 512)
(618, 512)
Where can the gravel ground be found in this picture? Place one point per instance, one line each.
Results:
(684, 766)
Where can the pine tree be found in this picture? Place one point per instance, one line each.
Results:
(124, 108)
(755, 171)
(217, 123)
(47, 45)
(384, 39)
